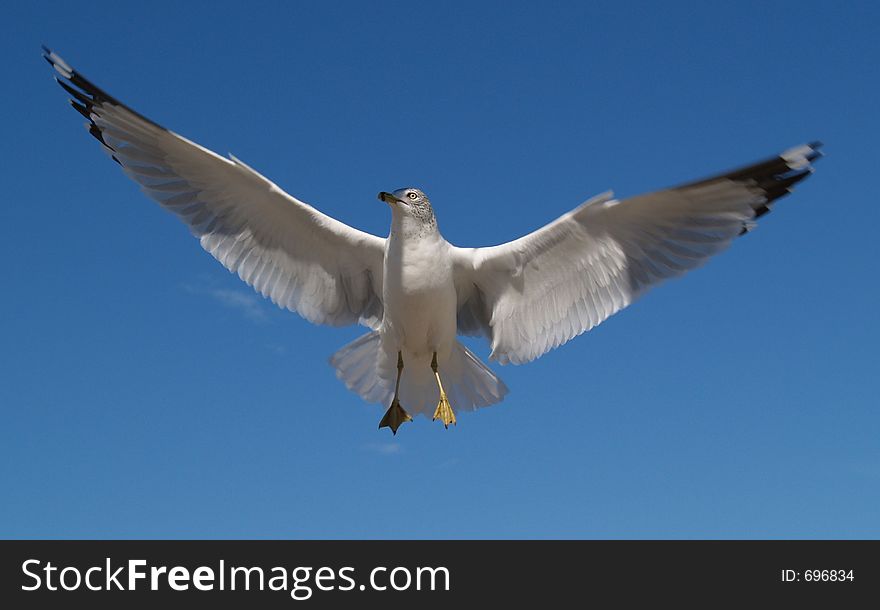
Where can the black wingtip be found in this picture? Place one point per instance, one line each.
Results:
(85, 92)
(816, 153)
(773, 178)
(50, 56)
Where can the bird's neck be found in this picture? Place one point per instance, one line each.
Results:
(406, 227)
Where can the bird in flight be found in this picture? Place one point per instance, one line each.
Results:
(416, 292)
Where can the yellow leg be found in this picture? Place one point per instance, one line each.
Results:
(396, 414)
(444, 410)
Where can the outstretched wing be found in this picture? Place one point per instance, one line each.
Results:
(533, 294)
(302, 259)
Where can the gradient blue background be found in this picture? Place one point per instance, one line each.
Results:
(146, 392)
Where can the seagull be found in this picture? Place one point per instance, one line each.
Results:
(414, 291)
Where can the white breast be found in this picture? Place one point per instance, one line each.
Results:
(419, 294)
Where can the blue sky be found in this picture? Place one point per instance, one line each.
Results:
(146, 392)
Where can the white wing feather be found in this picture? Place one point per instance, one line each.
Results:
(533, 294)
(301, 259)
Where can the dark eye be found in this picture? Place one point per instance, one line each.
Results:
(413, 196)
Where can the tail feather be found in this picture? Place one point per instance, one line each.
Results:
(365, 368)
(477, 385)
(356, 366)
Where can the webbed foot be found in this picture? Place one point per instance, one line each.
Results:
(395, 416)
(444, 411)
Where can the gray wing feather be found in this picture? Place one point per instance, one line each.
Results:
(301, 259)
(535, 293)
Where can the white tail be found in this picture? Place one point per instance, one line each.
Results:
(366, 369)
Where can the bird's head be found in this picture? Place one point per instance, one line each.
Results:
(410, 202)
